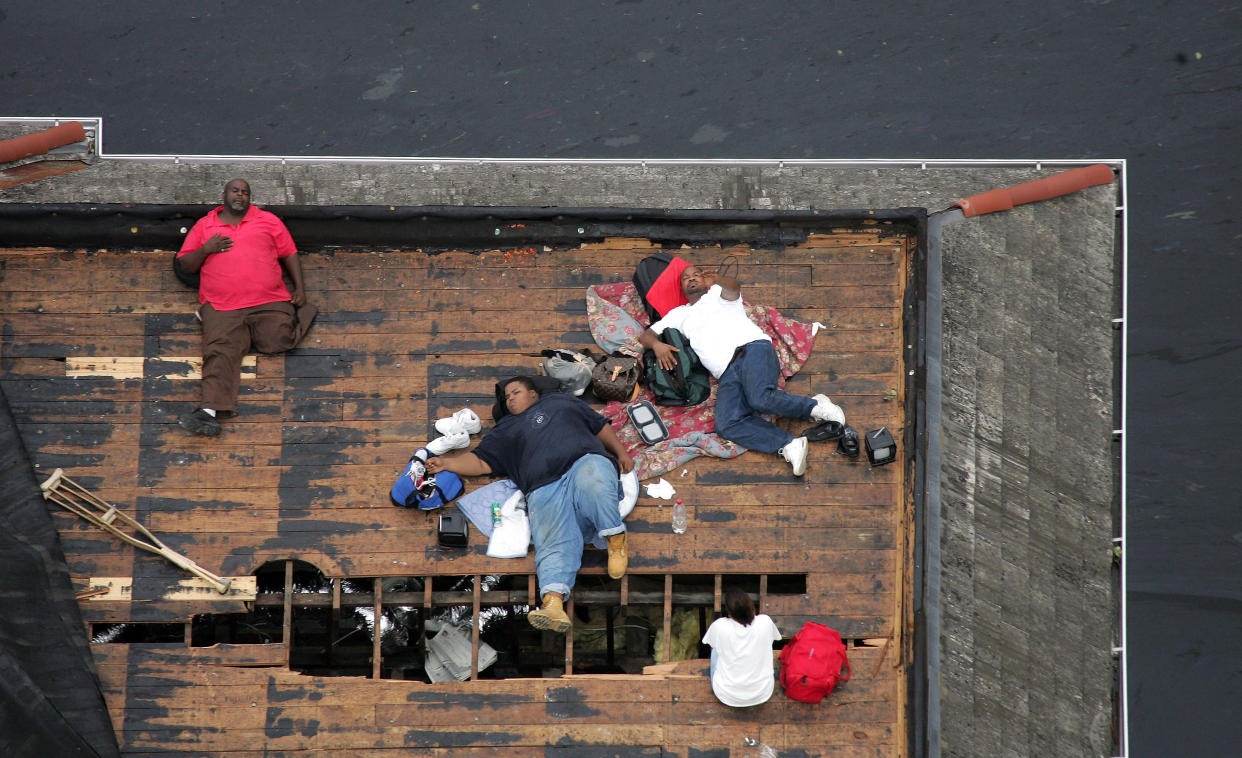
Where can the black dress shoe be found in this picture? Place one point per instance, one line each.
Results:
(825, 432)
(200, 422)
(848, 444)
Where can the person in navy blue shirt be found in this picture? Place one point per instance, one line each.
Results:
(566, 458)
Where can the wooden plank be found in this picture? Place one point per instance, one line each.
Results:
(97, 303)
(150, 677)
(852, 238)
(214, 655)
(77, 328)
(121, 589)
(377, 636)
(569, 638)
(471, 752)
(475, 626)
(58, 347)
(848, 317)
(668, 617)
(334, 619)
(137, 280)
(286, 634)
(293, 737)
(585, 712)
(329, 282)
(846, 740)
(138, 367)
(51, 258)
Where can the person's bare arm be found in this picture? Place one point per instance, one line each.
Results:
(663, 351)
(613, 444)
(465, 464)
(730, 288)
(192, 261)
(293, 268)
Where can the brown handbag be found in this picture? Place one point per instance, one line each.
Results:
(616, 377)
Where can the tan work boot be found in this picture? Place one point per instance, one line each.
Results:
(618, 555)
(551, 616)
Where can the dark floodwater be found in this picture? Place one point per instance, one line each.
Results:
(1155, 83)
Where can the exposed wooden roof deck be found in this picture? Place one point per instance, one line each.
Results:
(303, 473)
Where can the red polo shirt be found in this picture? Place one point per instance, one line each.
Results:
(248, 273)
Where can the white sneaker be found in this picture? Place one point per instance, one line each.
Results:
(795, 453)
(464, 420)
(441, 445)
(826, 410)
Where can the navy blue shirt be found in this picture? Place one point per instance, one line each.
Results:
(538, 445)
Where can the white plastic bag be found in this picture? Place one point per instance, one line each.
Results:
(448, 655)
(512, 538)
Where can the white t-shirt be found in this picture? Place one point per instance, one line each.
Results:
(745, 674)
(715, 327)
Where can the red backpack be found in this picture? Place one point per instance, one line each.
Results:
(811, 663)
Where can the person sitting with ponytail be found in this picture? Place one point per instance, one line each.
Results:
(742, 669)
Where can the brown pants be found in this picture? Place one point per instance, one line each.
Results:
(229, 335)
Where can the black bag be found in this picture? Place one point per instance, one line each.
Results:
(645, 275)
(453, 529)
(689, 383)
(543, 385)
(414, 489)
(188, 279)
(615, 378)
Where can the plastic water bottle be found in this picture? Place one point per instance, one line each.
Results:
(496, 515)
(679, 517)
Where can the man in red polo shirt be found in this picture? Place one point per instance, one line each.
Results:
(239, 252)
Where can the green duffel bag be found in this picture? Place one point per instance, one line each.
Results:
(689, 383)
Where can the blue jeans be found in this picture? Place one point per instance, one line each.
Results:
(568, 513)
(748, 389)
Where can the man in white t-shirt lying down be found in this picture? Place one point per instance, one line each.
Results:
(741, 356)
(742, 670)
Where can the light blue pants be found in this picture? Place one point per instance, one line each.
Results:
(568, 513)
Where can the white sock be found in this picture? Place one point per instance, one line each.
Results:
(209, 412)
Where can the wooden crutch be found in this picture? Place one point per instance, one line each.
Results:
(75, 498)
